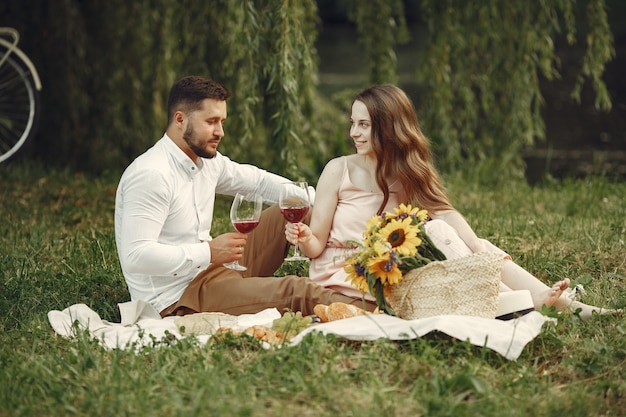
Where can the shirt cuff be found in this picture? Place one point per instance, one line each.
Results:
(198, 254)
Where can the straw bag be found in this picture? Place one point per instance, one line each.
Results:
(466, 286)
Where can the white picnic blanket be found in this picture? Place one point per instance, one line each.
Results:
(141, 325)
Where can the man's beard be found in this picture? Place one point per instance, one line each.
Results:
(189, 137)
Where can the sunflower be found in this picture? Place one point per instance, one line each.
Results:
(385, 269)
(389, 248)
(356, 274)
(401, 236)
(379, 246)
(372, 226)
(404, 211)
(401, 211)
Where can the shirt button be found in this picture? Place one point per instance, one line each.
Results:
(447, 241)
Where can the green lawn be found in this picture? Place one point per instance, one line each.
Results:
(57, 249)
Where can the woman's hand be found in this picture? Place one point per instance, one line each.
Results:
(297, 233)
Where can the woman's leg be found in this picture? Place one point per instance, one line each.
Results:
(517, 278)
(513, 277)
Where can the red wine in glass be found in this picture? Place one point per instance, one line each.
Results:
(294, 214)
(245, 213)
(294, 204)
(245, 226)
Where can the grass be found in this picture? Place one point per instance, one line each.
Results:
(57, 248)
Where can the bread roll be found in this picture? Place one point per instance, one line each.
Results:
(337, 311)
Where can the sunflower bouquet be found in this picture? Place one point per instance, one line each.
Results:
(393, 244)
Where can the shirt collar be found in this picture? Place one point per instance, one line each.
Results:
(181, 157)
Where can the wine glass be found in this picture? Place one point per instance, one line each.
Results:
(294, 204)
(245, 213)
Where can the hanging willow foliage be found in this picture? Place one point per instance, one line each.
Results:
(598, 51)
(263, 51)
(287, 68)
(107, 66)
(103, 93)
(381, 26)
(482, 68)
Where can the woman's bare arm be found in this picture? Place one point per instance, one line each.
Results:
(312, 239)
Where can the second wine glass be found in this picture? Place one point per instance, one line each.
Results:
(294, 204)
(245, 214)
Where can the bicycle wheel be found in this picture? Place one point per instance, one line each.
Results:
(19, 105)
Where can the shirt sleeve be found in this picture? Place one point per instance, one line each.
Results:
(143, 208)
(244, 178)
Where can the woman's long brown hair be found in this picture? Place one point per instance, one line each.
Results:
(402, 151)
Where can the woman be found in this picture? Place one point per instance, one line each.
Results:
(392, 165)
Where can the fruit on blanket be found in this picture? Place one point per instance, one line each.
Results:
(290, 324)
(218, 324)
(337, 311)
(262, 333)
(266, 334)
(283, 328)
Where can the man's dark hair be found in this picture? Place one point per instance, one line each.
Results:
(188, 92)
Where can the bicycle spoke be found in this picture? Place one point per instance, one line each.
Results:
(18, 102)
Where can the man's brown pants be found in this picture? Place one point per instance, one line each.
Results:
(221, 289)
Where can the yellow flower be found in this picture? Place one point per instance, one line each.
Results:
(361, 285)
(401, 236)
(374, 222)
(422, 215)
(372, 226)
(380, 246)
(351, 268)
(387, 251)
(385, 269)
(403, 211)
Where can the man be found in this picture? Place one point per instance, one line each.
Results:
(164, 210)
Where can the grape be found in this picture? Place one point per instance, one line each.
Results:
(290, 324)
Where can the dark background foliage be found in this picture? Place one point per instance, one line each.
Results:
(499, 86)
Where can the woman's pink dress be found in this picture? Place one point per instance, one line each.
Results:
(354, 208)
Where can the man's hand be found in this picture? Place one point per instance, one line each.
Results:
(227, 247)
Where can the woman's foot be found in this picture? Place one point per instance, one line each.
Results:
(555, 297)
(587, 311)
